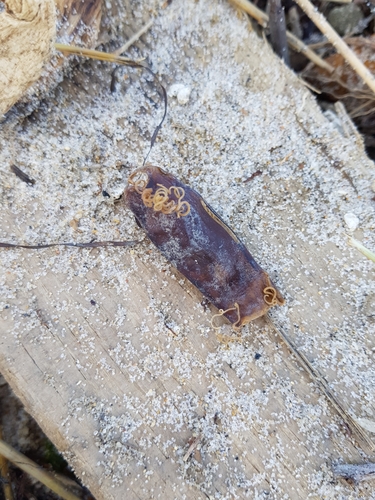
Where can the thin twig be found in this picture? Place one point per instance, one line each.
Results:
(309, 86)
(301, 47)
(360, 42)
(319, 45)
(364, 109)
(277, 27)
(324, 387)
(192, 447)
(320, 21)
(91, 244)
(35, 471)
(294, 42)
(133, 39)
(21, 175)
(350, 40)
(348, 126)
(4, 475)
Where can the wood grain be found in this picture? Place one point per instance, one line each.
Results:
(112, 351)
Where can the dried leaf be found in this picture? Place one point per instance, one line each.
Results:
(345, 85)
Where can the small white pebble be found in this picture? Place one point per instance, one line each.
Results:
(183, 95)
(351, 220)
(342, 192)
(174, 89)
(181, 92)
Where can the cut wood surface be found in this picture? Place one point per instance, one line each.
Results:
(27, 32)
(27, 29)
(111, 350)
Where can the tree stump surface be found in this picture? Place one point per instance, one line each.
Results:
(111, 350)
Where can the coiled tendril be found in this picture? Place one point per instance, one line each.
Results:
(160, 201)
(222, 312)
(270, 296)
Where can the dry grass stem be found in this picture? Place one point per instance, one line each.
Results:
(299, 46)
(365, 251)
(257, 14)
(347, 124)
(320, 21)
(352, 424)
(96, 54)
(35, 471)
(294, 42)
(133, 39)
(309, 86)
(4, 475)
(319, 45)
(352, 41)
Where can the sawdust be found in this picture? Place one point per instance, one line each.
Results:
(138, 375)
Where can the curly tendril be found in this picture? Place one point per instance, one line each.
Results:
(270, 296)
(160, 201)
(221, 312)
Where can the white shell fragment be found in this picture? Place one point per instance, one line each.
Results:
(367, 424)
(352, 221)
(342, 192)
(181, 92)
